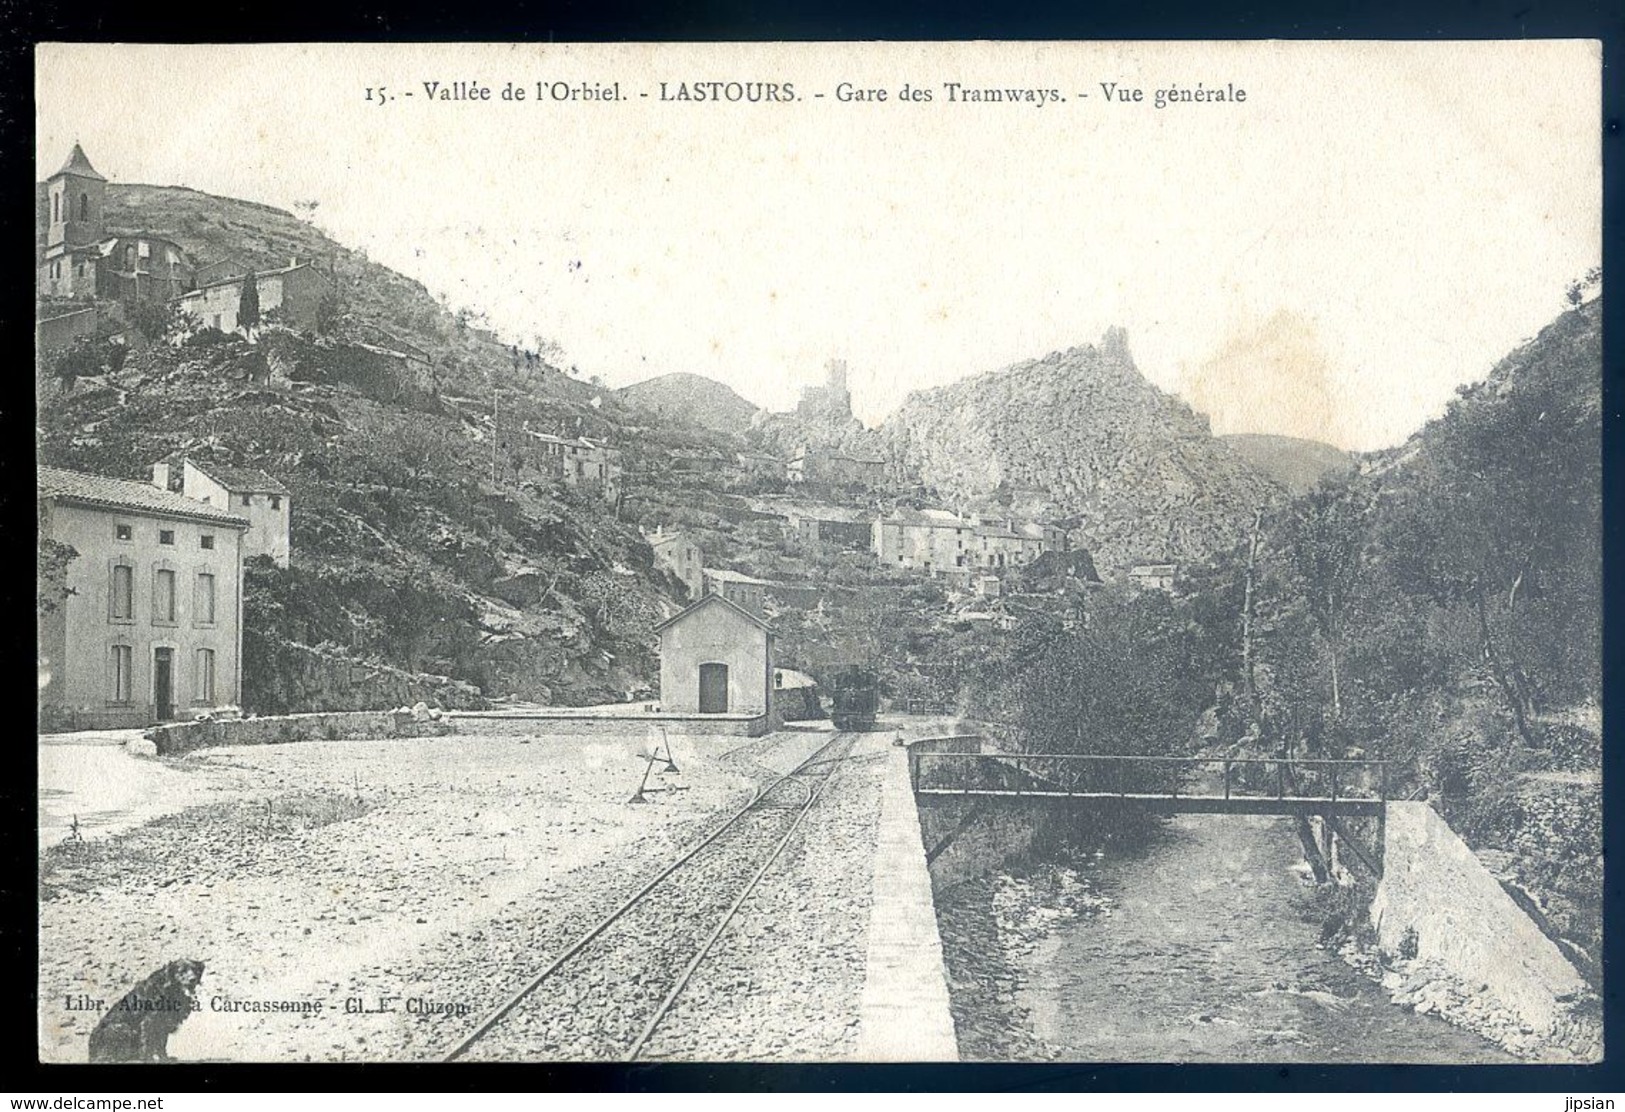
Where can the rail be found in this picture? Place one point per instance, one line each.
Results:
(645, 897)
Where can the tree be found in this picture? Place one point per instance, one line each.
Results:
(1324, 545)
(51, 568)
(1501, 525)
(1124, 683)
(248, 306)
(80, 359)
(150, 318)
(1580, 287)
(329, 313)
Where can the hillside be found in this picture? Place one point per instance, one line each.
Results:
(225, 229)
(1296, 464)
(692, 400)
(1443, 610)
(1082, 434)
(425, 539)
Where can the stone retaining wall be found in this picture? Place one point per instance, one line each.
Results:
(184, 737)
(968, 837)
(598, 725)
(1437, 900)
(906, 1014)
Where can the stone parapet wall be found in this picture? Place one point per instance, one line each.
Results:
(279, 729)
(599, 725)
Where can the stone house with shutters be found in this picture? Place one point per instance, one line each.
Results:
(737, 587)
(151, 627)
(682, 557)
(294, 293)
(245, 491)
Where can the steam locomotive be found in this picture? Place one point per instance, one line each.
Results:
(855, 698)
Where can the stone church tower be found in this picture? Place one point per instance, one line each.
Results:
(77, 195)
(75, 202)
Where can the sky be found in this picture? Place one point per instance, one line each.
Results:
(1373, 226)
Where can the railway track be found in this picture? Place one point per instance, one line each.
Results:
(604, 996)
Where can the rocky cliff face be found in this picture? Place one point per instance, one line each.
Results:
(1082, 434)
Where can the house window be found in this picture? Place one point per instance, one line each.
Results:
(163, 596)
(144, 250)
(56, 208)
(203, 687)
(166, 536)
(122, 532)
(248, 499)
(216, 324)
(121, 597)
(84, 206)
(203, 599)
(118, 674)
(276, 501)
(206, 541)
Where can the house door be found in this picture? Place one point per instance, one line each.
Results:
(163, 683)
(713, 689)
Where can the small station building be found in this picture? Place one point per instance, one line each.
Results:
(716, 657)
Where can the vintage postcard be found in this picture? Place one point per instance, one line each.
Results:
(1004, 552)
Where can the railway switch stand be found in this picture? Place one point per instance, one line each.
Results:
(670, 768)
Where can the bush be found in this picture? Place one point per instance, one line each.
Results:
(207, 337)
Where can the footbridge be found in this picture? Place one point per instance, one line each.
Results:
(1169, 785)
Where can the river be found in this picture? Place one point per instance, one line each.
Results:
(1204, 946)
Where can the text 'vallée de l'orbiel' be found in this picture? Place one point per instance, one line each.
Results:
(785, 92)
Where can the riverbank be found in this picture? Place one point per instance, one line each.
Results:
(1202, 944)
(1427, 988)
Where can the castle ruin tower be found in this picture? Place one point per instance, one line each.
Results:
(76, 195)
(836, 371)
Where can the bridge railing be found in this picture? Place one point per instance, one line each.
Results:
(1106, 775)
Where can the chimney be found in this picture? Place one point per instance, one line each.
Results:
(160, 477)
(293, 261)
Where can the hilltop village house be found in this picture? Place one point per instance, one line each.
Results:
(827, 467)
(746, 591)
(82, 260)
(1153, 577)
(941, 542)
(834, 525)
(759, 465)
(151, 628)
(246, 492)
(681, 556)
(293, 293)
(716, 658)
(579, 461)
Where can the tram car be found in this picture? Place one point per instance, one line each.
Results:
(855, 695)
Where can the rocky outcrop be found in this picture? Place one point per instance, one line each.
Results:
(1081, 433)
(290, 677)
